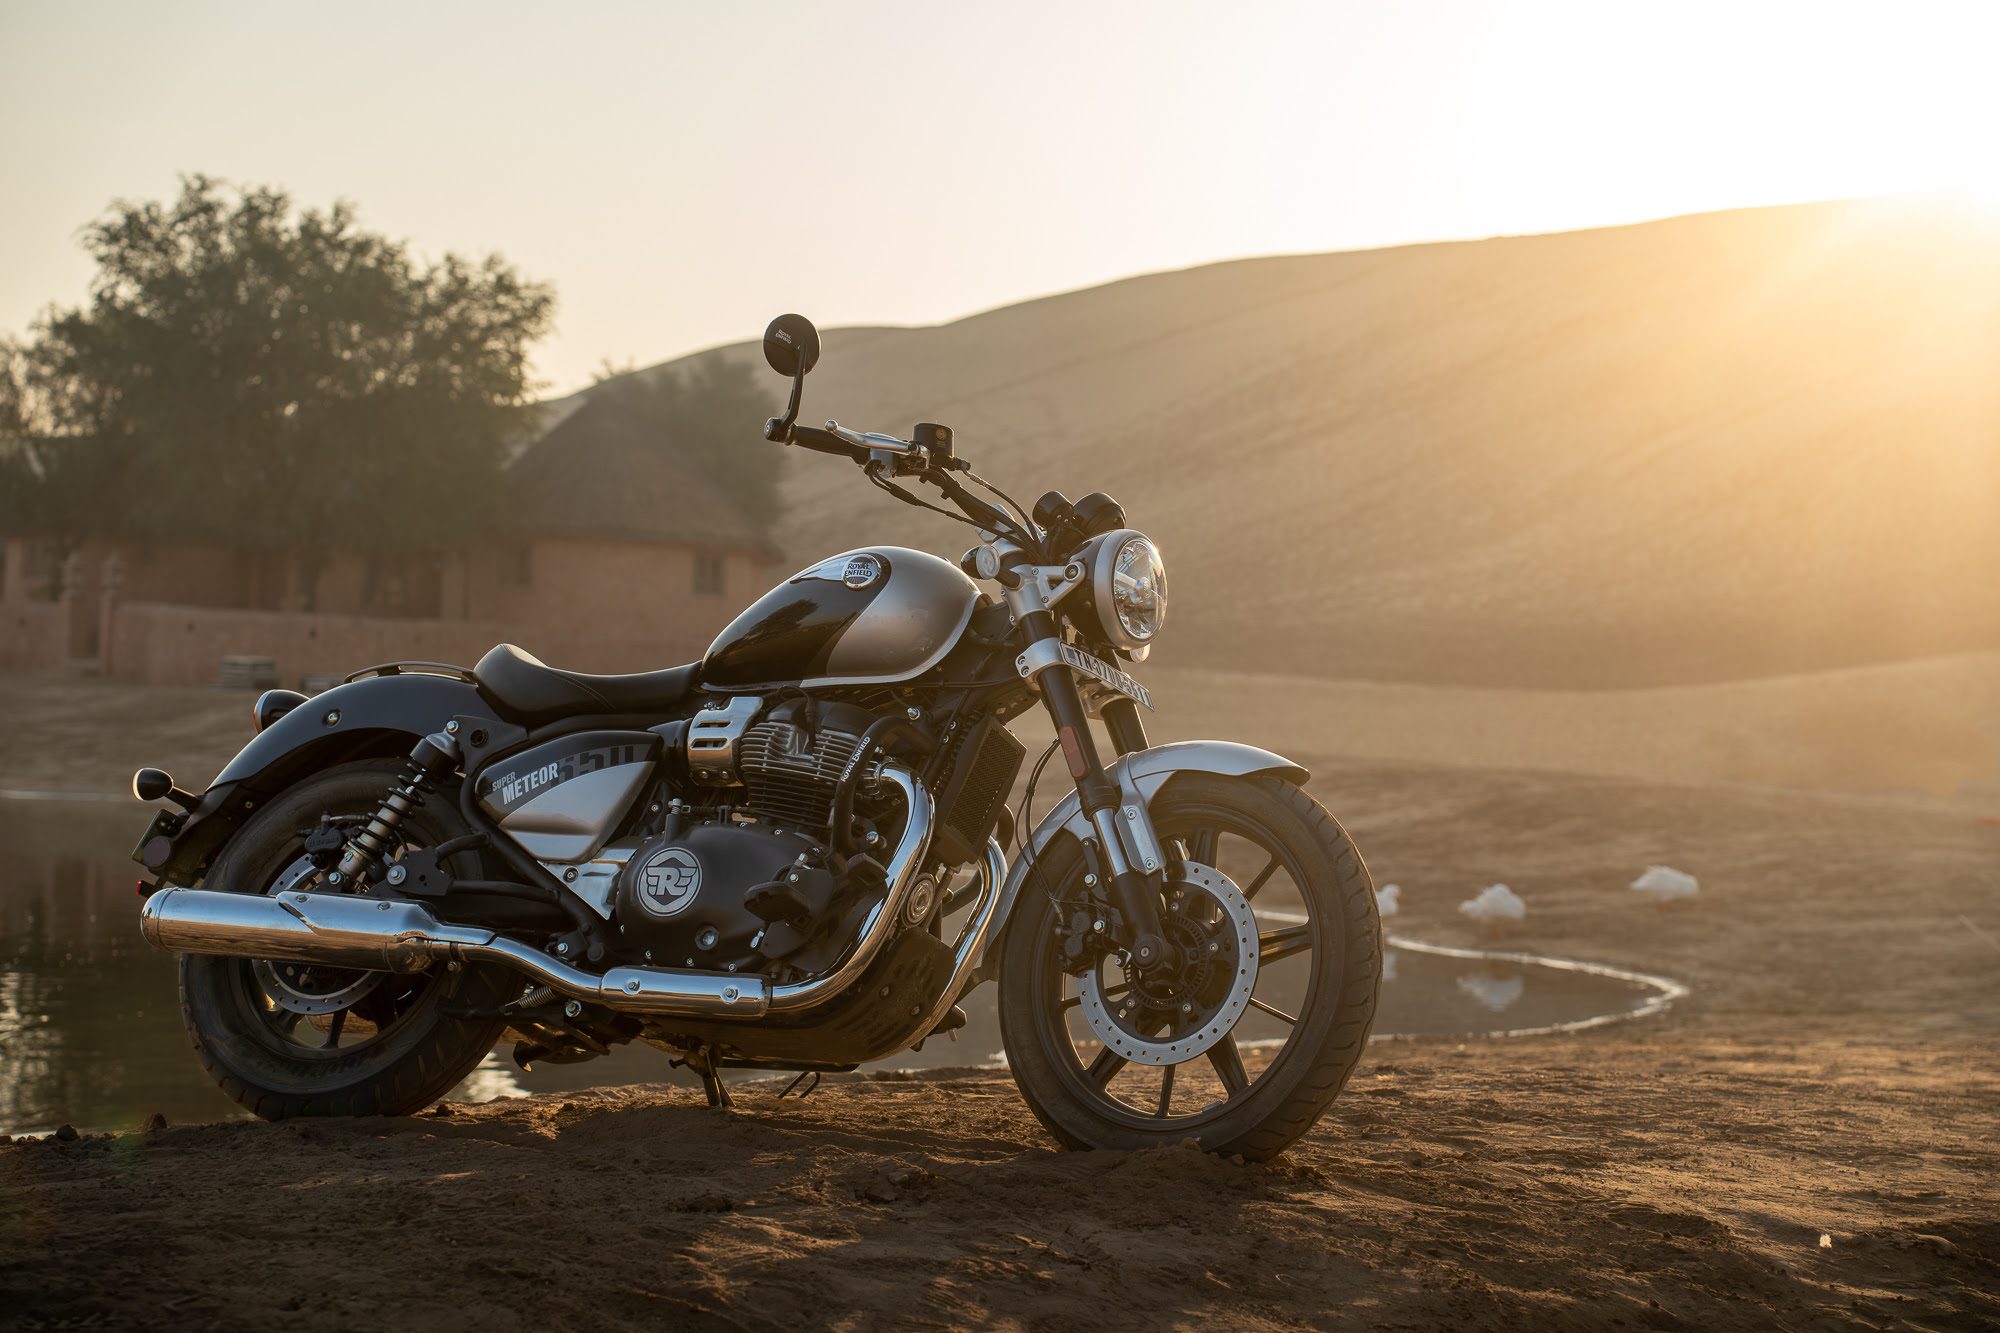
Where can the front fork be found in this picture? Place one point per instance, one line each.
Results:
(1129, 850)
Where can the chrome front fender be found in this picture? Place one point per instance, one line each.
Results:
(1139, 775)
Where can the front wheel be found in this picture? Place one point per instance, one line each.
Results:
(1261, 1014)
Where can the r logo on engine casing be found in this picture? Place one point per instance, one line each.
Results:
(670, 881)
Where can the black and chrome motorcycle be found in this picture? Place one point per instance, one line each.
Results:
(789, 855)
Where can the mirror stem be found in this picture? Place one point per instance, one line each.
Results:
(779, 429)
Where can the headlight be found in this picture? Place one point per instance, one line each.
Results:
(1128, 585)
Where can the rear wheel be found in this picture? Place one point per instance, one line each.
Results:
(1242, 1043)
(293, 1039)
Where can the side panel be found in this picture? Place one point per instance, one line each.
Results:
(562, 801)
(1140, 775)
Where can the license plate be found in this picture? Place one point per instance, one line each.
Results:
(165, 823)
(1105, 674)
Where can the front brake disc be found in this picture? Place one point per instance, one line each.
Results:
(1221, 1018)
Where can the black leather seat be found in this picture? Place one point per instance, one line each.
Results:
(522, 688)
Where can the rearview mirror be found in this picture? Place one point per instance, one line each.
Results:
(791, 345)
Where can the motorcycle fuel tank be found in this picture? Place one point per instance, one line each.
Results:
(876, 615)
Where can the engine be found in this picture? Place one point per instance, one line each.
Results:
(759, 883)
(749, 886)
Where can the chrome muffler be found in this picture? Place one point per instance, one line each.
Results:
(394, 935)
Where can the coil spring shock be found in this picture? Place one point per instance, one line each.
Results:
(362, 856)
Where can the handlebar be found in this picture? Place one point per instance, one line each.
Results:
(868, 439)
(826, 442)
(913, 459)
(845, 442)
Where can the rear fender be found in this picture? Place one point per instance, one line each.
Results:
(1139, 775)
(374, 716)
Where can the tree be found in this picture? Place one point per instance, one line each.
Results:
(708, 410)
(270, 378)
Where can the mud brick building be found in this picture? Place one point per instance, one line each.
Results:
(610, 553)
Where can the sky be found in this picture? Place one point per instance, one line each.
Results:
(682, 172)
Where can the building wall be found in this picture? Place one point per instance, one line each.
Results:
(181, 645)
(34, 636)
(211, 574)
(587, 606)
(164, 644)
(604, 598)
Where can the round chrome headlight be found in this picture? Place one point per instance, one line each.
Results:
(1128, 585)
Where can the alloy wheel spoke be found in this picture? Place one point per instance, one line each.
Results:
(1201, 847)
(1107, 1064)
(1228, 1062)
(1072, 1001)
(333, 1028)
(1250, 889)
(1273, 1011)
(1273, 945)
(1166, 1091)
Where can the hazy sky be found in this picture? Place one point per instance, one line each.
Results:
(683, 172)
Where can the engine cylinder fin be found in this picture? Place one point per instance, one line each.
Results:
(792, 775)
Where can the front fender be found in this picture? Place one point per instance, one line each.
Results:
(377, 715)
(1139, 775)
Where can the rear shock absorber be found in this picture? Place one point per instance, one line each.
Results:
(434, 756)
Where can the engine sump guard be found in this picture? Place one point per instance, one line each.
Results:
(873, 1018)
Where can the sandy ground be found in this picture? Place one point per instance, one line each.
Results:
(1832, 1074)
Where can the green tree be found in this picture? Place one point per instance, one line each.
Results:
(273, 378)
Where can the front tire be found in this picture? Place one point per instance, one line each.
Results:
(1293, 1045)
(284, 1040)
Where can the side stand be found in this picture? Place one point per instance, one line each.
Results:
(702, 1061)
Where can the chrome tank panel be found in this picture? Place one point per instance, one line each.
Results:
(563, 800)
(819, 628)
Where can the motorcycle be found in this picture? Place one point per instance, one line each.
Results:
(791, 855)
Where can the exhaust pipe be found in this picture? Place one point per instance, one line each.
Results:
(393, 935)
(380, 935)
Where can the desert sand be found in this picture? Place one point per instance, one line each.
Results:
(1831, 1074)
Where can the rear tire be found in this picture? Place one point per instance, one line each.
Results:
(1338, 945)
(415, 1053)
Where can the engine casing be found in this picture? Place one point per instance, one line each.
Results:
(683, 900)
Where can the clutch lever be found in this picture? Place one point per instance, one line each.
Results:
(869, 439)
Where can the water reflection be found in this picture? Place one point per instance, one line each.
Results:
(90, 1028)
(1492, 990)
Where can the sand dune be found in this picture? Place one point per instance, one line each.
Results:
(1714, 447)
(1929, 727)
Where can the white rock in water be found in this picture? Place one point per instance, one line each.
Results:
(1494, 903)
(1666, 883)
(1385, 899)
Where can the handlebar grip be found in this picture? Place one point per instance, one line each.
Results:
(826, 442)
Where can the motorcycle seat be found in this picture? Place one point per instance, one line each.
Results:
(526, 690)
